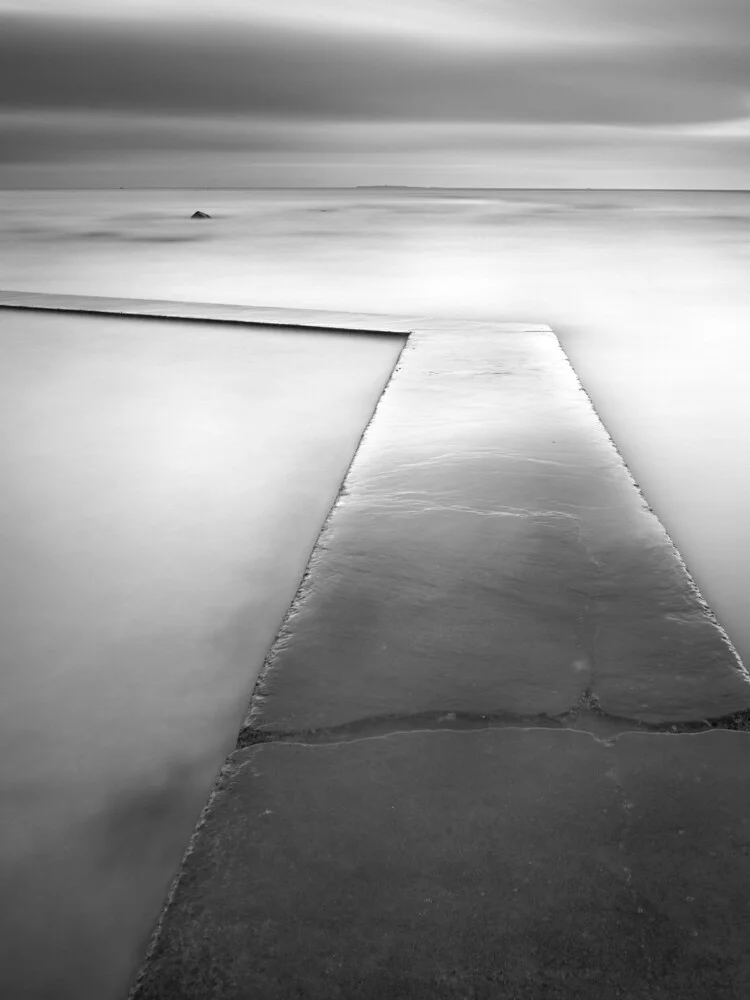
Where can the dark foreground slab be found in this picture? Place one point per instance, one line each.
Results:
(511, 865)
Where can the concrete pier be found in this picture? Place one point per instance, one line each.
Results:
(490, 753)
(491, 555)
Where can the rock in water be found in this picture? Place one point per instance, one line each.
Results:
(200, 215)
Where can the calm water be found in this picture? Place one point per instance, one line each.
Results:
(163, 485)
(649, 295)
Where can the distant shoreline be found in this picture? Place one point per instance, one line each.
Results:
(400, 187)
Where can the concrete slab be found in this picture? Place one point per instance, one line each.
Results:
(490, 554)
(507, 865)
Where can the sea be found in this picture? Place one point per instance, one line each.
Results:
(105, 769)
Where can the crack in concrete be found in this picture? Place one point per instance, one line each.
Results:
(585, 717)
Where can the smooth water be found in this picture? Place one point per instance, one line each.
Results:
(648, 292)
(163, 484)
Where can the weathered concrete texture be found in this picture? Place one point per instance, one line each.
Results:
(507, 865)
(491, 553)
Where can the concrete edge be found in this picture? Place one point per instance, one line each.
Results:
(348, 322)
(692, 583)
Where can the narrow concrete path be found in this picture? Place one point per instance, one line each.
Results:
(491, 554)
(490, 564)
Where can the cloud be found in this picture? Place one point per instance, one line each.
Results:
(73, 136)
(78, 148)
(736, 128)
(288, 89)
(500, 24)
(193, 69)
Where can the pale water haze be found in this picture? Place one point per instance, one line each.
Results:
(162, 487)
(108, 762)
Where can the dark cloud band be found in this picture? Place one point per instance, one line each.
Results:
(200, 70)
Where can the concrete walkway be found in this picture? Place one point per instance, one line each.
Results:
(490, 754)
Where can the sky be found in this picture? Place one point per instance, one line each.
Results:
(465, 93)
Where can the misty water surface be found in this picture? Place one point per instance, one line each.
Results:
(162, 487)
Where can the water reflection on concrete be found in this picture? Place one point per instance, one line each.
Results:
(162, 486)
(491, 554)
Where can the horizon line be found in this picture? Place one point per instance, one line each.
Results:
(373, 187)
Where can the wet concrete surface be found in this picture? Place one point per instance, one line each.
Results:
(514, 865)
(491, 554)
